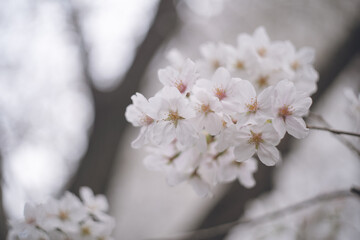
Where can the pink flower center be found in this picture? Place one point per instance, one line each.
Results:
(180, 86)
(146, 120)
(285, 111)
(31, 221)
(220, 93)
(262, 51)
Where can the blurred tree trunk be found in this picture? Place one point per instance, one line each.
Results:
(96, 166)
(3, 219)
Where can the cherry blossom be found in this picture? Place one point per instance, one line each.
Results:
(138, 114)
(65, 219)
(289, 106)
(183, 79)
(260, 139)
(205, 126)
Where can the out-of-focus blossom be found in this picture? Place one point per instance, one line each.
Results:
(65, 219)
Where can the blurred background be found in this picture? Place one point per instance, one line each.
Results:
(69, 67)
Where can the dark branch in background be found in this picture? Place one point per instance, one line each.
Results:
(341, 138)
(334, 131)
(3, 219)
(96, 166)
(232, 205)
(223, 228)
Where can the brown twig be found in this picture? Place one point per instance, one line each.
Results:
(334, 131)
(214, 231)
(339, 137)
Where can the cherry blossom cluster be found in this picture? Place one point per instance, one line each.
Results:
(66, 219)
(214, 114)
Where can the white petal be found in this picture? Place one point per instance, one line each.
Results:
(202, 188)
(185, 133)
(279, 125)
(213, 123)
(247, 179)
(86, 194)
(306, 55)
(301, 107)
(164, 132)
(296, 127)
(221, 75)
(268, 154)
(244, 151)
(133, 115)
(168, 76)
(227, 173)
(140, 140)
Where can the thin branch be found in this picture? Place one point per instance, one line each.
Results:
(214, 231)
(339, 137)
(334, 131)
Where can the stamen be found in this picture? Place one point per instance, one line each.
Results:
(205, 108)
(85, 231)
(285, 111)
(263, 81)
(220, 93)
(63, 215)
(256, 138)
(253, 106)
(180, 86)
(240, 65)
(173, 117)
(216, 64)
(262, 51)
(295, 65)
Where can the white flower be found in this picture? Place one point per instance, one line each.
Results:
(208, 109)
(241, 62)
(301, 64)
(95, 204)
(267, 74)
(183, 79)
(230, 169)
(26, 232)
(260, 139)
(92, 230)
(253, 108)
(260, 45)
(176, 58)
(289, 106)
(29, 228)
(138, 114)
(214, 55)
(66, 213)
(225, 88)
(200, 186)
(173, 118)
